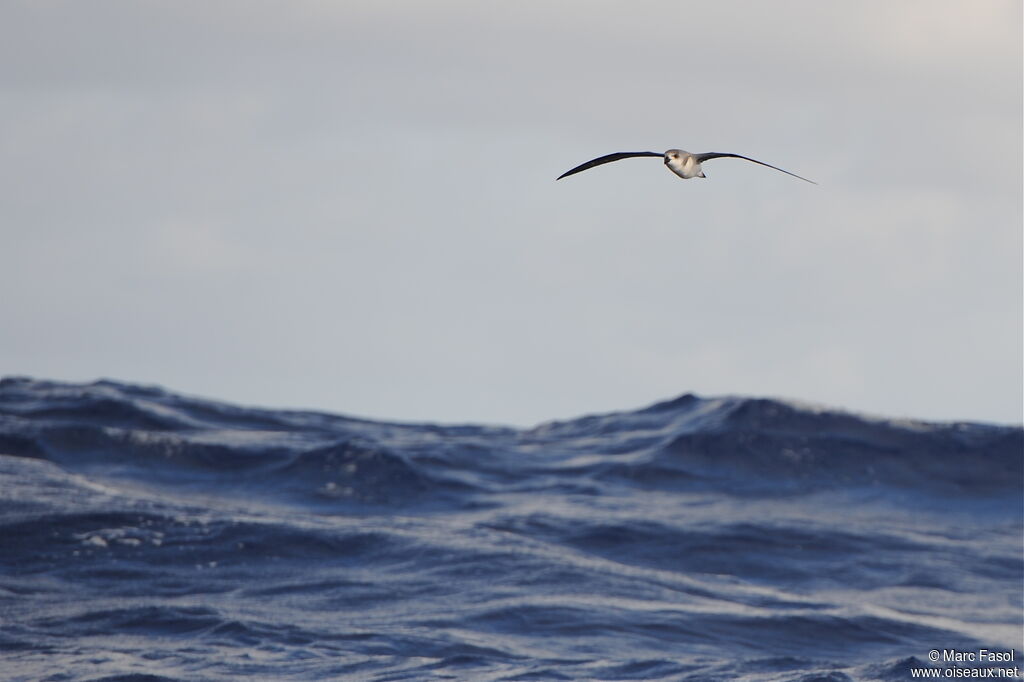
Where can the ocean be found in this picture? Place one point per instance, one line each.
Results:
(150, 536)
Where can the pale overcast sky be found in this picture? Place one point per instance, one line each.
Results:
(351, 206)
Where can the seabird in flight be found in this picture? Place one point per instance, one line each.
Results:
(682, 163)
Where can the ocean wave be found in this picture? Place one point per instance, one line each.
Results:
(148, 535)
(730, 444)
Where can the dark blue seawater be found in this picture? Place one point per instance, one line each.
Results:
(149, 536)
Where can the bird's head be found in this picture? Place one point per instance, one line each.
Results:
(673, 155)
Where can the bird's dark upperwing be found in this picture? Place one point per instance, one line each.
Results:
(605, 159)
(717, 155)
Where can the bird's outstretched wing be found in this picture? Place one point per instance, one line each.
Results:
(718, 155)
(608, 158)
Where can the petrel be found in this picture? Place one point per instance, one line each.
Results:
(682, 163)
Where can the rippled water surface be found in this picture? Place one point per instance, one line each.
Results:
(150, 536)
